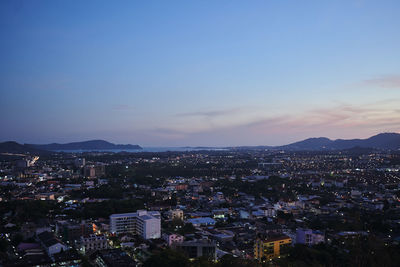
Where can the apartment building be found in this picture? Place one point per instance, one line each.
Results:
(265, 249)
(146, 224)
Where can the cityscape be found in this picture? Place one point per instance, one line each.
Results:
(243, 206)
(200, 133)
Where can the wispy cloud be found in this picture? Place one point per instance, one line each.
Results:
(357, 120)
(210, 113)
(167, 133)
(338, 121)
(387, 81)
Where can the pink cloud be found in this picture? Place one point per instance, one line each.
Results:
(340, 121)
(210, 113)
(387, 81)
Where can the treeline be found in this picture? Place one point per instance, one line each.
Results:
(105, 208)
(28, 210)
(361, 251)
(163, 170)
(368, 252)
(273, 188)
(172, 258)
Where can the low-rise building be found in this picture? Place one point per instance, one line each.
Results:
(72, 231)
(309, 237)
(173, 238)
(176, 214)
(265, 249)
(197, 248)
(51, 244)
(113, 258)
(92, 243)
(203, 221)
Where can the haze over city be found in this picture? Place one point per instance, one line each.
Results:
(209, 73)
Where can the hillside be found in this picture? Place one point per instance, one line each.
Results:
(14, 147)
(379, 141)
(87, 145)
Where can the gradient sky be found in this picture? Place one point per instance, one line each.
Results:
(172, 73)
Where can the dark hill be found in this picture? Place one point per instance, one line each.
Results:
(86, 145)
(380, 141)
(15, 148)
(319, 143)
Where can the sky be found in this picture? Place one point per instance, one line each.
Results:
(198, 73)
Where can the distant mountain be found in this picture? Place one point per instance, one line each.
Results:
(319, 143)
(15, 148)
(380, 141)
(87, 145)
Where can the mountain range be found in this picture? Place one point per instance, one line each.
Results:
(15, 148)
(92, 145)
(86, 145)
(380, 141)
(389, 141)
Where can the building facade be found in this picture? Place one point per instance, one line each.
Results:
(92, 243)
(51, 244)
(199, 248)
(309, 237)
(176, 214)
(73, 231)
(92, 171)
(266, 249)
(173, 238)
(147, 224)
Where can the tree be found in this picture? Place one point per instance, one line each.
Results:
(202, 262)
(16, 239)
(167, 258)
(175, 223)
(188, 228)
(230, 261)
(3, 245)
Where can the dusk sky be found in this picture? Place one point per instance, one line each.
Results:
(212, 73)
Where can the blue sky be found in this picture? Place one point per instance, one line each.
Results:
(167, 73)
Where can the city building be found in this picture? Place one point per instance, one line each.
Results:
(173, 238)
(79, 162)
(26, 162)
(71, 231)
(203, 221)
(92, 243)
(23, 163)
(198, 248)
(146, 224)
(266, 249)
(92, 171)
(309, 237)
(51, 244)
(176, 214)
(113, 258)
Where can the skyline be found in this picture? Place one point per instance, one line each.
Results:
(224, 73)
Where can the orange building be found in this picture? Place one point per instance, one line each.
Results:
(266, 249)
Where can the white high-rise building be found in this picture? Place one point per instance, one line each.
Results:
(147, 224)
